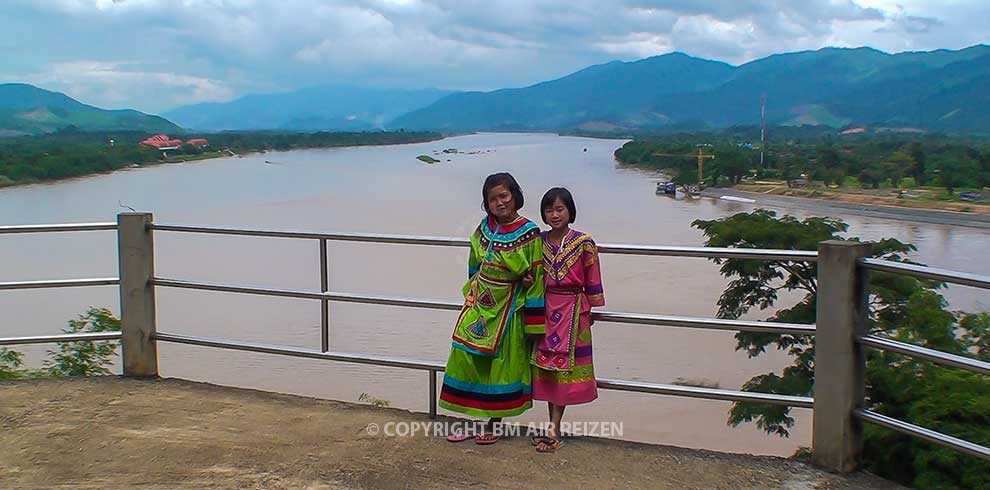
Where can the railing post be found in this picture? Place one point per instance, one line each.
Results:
(842, 311)
(324, 304)
(136, 256)
(433, 394)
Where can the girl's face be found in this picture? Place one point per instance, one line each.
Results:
(501, 204)
(557, 214)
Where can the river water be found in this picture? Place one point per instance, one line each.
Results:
(386, 190)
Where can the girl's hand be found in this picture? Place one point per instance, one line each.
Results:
(527, 280)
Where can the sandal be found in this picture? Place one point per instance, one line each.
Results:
(549, 445)
(536, 440)
(486, 439)
(459, 437)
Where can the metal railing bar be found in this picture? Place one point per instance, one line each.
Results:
(707, 393)
(925, 434)
(627, 318)
(71, 337)
(330, 295)
(343, 237)
(925, 272)
(14, 229)
(300, 352)
(668, 251)
(60, 283)
(710, 252)
(704, 323)
(434, 367)
(944, 358)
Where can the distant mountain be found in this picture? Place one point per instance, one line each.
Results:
(953, 96)
(940, 90)
(328, 107)
(837, 87)
(27, 110)
(617, 92)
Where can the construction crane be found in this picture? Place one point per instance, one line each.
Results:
(702, 156)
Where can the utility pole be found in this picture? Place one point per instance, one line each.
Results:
(763, 128)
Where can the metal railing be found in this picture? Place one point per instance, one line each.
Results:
(59, 283)
(842, 268)
(326, 296)
(943, 358)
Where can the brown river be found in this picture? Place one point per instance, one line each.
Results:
(386, 190)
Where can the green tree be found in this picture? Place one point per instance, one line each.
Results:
(871, 176)
(835, 176)
(795, 167)
(87, 358)
(897, 166)
(901, 307)
(687, 176)
(954, 173)
(10, 364)
(917, 153)
(731, 162)
(828, 156)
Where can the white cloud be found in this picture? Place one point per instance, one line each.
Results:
(121, 85)
(219, 48)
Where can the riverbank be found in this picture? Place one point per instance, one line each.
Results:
(919, 198)
(57, 157)
(859, 207)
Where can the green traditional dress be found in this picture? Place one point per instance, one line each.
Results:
(488, 372)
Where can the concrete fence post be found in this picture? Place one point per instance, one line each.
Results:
(136, 256)
(842, 314)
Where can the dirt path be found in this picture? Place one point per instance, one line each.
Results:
(115, 433)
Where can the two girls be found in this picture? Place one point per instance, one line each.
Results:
(524, 331)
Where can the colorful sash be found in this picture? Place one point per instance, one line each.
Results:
(555, 351)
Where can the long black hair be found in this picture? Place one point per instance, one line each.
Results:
(506, 179)
(554, 194)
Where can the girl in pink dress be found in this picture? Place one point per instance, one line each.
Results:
(563, 373)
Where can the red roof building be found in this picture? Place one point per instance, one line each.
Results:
(201, 142)
(162, 142)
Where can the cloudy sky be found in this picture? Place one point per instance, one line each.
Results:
(153, 55)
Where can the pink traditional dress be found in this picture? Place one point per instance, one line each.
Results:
(563, 373)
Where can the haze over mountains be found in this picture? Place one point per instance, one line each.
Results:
(937, 90)
(329, 107)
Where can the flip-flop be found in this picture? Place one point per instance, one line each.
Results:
(551, 447)
(459, 437)
(536, 440)
(486, 439)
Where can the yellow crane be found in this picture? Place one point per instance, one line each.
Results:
(702, 156)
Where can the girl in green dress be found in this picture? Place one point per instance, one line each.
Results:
(488, 372)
